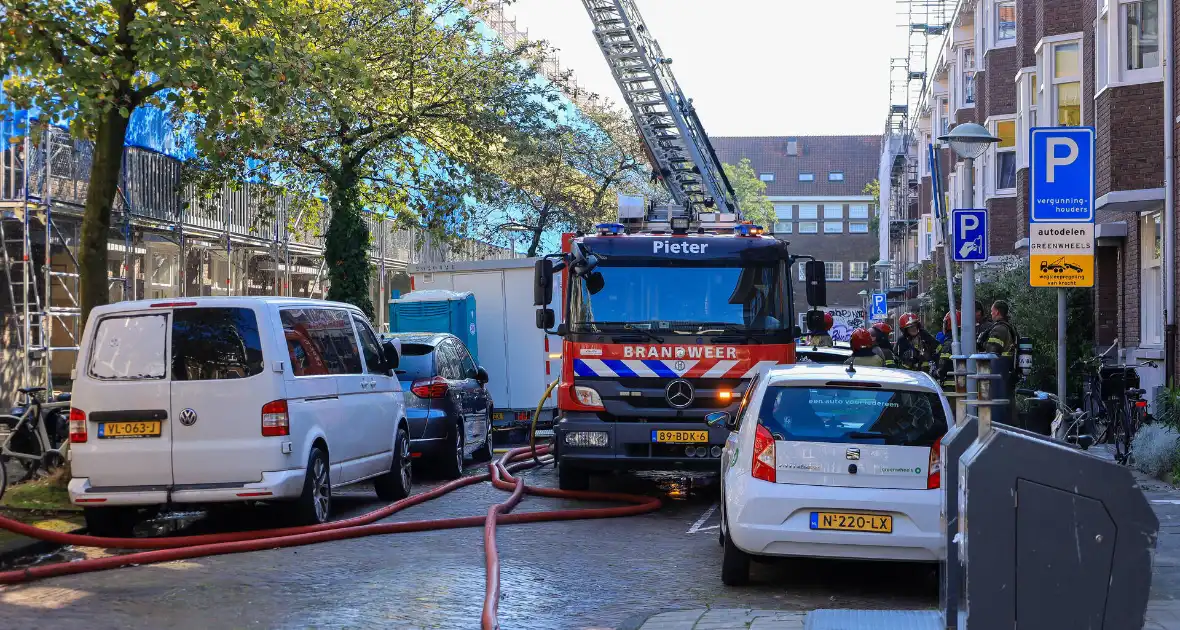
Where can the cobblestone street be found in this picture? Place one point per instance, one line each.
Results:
(614, 573)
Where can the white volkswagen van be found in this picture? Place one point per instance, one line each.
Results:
(212, 400)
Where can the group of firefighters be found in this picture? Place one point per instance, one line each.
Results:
(916, 349)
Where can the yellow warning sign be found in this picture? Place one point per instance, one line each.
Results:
(1061, 271)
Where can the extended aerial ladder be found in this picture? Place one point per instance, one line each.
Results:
(673, 138)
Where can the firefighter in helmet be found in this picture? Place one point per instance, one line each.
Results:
(864, 349)
(944, 372)
(819, 329)
(882, 345)
(916, 348)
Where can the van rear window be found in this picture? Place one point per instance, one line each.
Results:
(853, 415)
(210, 344)
(130, 348)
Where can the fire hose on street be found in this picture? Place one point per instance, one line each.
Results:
(499, 473)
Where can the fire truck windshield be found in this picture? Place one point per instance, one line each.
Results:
(680, 298)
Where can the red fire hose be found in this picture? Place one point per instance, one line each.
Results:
(185, 547)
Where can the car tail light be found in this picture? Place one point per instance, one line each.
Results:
(275, 421)
(1141, 403)
(763, 467)
(430, 387)
(172, 304)
(934, 476)
(77, 426)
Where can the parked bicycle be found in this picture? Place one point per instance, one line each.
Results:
(1069, 425)
(36, 434)
(1093, 401)
(1128, 407)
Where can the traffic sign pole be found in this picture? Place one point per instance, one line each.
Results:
(1061, 218)
(969, 244)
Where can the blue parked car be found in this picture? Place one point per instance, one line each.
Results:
(447, 405)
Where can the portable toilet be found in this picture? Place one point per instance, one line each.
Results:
(437, 311)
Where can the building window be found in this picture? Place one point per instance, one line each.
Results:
(1026, 112)
(809, 211)
(858, 271)
(966, 77)
(784, 211)
(1151, 306)
(858, 227)
(836, 176)
(833, 211)
(858, 211)
(1005, 151)
(1005, 22)
(808, 227)
(783, 227)
(944, 116)
(807, 177)
(802, 272)
(833, 227)
(1067, 84)
(766, 177)
(1141, 35)
(834, 271)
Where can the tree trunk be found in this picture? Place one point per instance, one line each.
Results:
(346, 246)
(96, 221)
(534, 244)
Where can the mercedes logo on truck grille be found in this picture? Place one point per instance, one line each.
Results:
(679, 393)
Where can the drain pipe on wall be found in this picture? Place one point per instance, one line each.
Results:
(1169, 194)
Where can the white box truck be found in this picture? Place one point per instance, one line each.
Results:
(520, 359)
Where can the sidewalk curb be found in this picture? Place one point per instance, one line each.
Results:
(636, 621)
(18, 549)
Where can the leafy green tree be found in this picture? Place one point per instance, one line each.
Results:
(874, 188)
(92, 62)
(751, 193)
(544, 185)
(403, 107)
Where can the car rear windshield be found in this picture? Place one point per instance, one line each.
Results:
(417, 361)
(210, 344)
(853, 415)
(207, 344)
(130, 347)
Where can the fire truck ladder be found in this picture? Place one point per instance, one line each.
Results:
(675, 141)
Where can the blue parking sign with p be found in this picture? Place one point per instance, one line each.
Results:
(878, 306)
(1062, 175)
(969, 235)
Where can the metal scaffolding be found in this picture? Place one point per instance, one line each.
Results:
(908, 91)
(165, 241)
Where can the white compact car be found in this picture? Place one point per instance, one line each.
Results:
(214, 400)
(832, 462)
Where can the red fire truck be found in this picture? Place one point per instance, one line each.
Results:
(661, 328)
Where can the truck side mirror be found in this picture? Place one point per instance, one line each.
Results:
(817, 288)
(545, 318)
(543, 282)
(595, 282)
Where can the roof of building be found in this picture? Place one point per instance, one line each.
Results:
(857, 157)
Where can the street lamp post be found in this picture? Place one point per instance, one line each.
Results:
(514, 228)
(864, 305)
(969, 140)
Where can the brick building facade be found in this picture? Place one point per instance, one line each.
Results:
(1012, 65)
(817, 186)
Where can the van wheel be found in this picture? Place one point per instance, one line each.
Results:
(110, 522)
(735, 565)
(395, 484)
(484, 453)
(314, 506)
(450, 461)
(570, 478)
